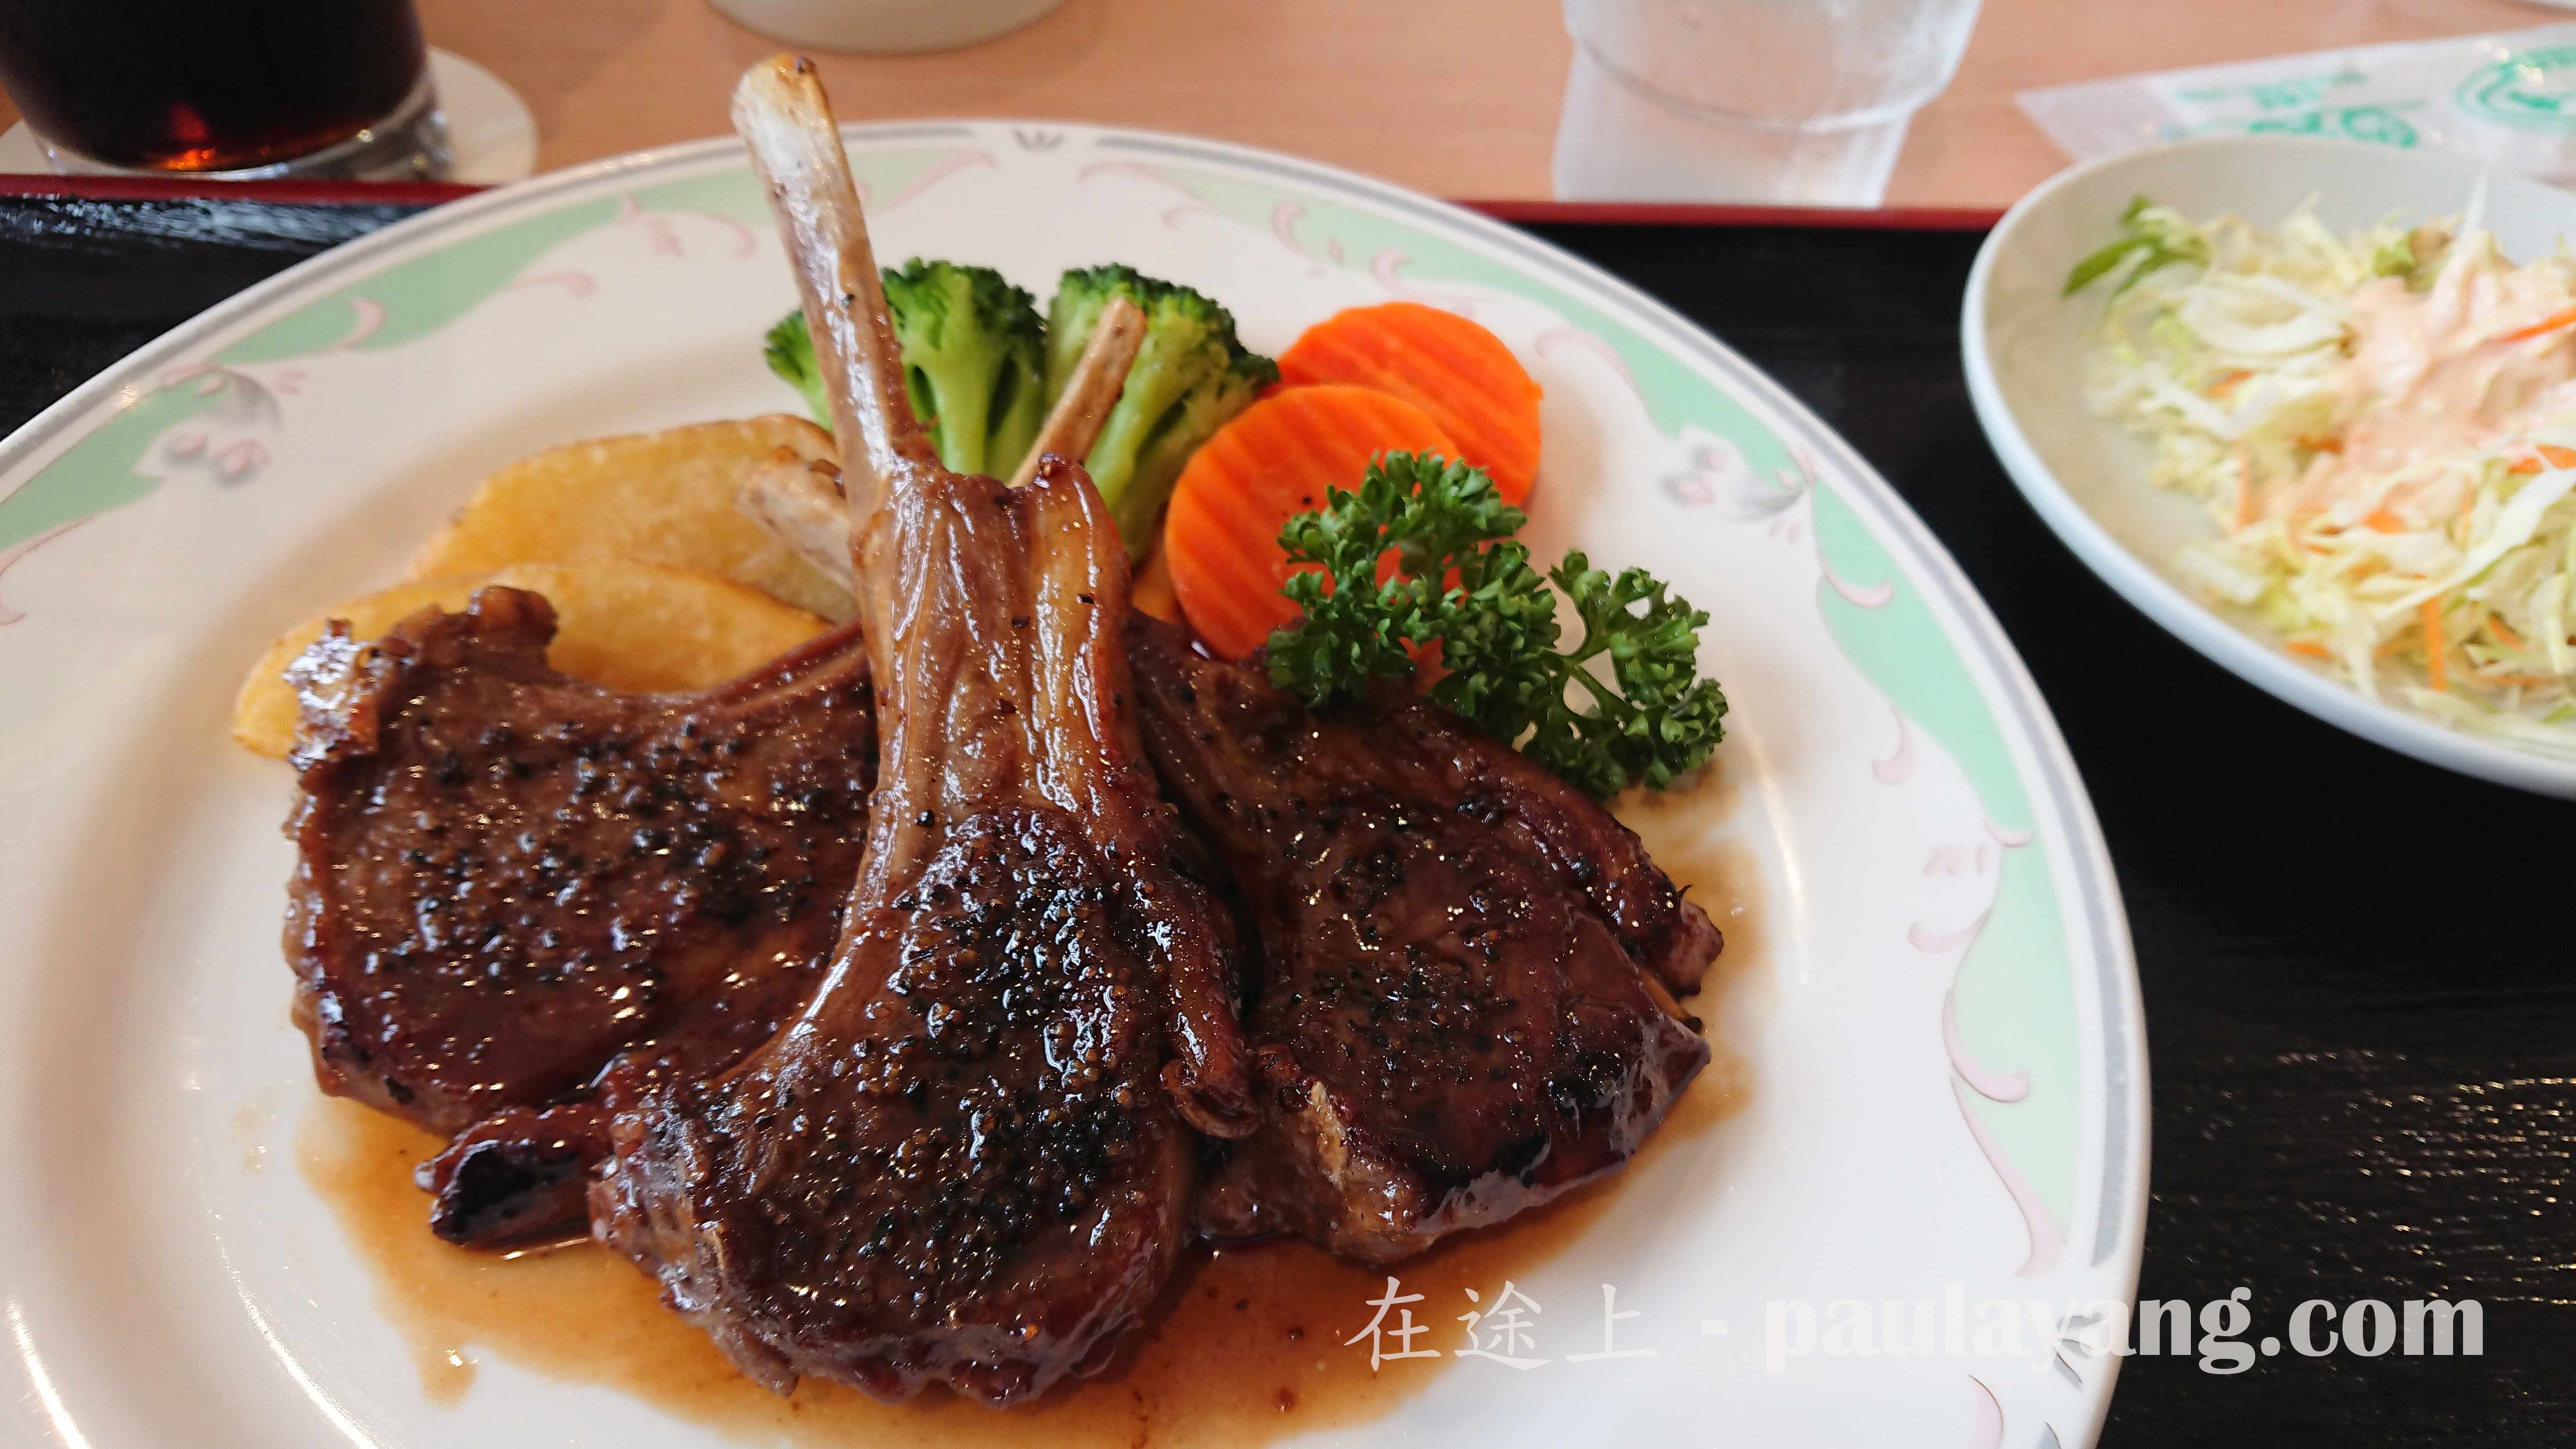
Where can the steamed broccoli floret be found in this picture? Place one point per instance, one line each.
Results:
(982, 370)
(1190, 375)
(790, 350)
(974, 359)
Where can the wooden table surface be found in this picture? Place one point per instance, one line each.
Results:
(1455, 97)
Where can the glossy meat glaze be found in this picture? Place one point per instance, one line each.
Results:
(1465, 1002)
(968, 1160)
(506, 879)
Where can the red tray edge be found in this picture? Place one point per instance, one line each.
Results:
(1673, 213)
(431, 193)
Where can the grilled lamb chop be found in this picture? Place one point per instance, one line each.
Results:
(1466, 1002)
(966, 1161)
(507, 878)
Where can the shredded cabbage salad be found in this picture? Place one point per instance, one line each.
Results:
(2383, 428)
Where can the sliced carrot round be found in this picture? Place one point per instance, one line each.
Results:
(1454, 370)
(1276, 459)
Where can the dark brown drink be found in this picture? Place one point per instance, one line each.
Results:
(189, 85)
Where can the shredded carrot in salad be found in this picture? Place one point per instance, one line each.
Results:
(2383, 427)
(2550, 323)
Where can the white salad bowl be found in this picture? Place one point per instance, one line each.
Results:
(2025, 350)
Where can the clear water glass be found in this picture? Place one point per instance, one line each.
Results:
(1797, 102)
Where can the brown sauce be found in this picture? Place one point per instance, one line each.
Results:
(1249, 1346)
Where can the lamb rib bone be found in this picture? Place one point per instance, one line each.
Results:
(800, 501)
(966, 1161)
(1099, 375)
(1572, 939)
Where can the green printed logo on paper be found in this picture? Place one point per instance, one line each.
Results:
(2533, 89)
(2377, 125)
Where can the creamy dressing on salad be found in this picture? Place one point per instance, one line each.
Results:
(2437, 375)
(2382, 427)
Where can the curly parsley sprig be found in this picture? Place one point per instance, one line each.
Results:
(1461, 581)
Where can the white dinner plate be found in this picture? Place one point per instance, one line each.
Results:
(1935, 1086)
(2025, 350)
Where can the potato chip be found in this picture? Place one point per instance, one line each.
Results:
(659, 498)
(626, 625)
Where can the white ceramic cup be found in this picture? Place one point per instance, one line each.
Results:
(884, 27)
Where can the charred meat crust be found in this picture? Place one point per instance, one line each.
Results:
(1028, 1000)
(506, 879)
(968, 1160)
(520, 1175)
(1465, 1005)
(966, 1172)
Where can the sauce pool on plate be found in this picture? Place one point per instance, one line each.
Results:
(1248, 1346)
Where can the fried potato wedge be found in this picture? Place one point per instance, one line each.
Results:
(622, 624)
(1152, 591)
(660, 498)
